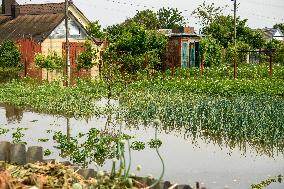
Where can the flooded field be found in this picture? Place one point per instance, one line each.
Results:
(213, 162)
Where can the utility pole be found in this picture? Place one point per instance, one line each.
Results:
(235, 38)
(67, 50)
(235, 22)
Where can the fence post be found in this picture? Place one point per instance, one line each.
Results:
(270, 63)
(5, 151)
(173, 70)
(235, 67)
(26, 68)
(34, 154)
(18, 154)
(202, 63)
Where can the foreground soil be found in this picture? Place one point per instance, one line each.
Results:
(55, 175)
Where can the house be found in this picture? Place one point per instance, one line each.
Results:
(40, 28)
(183, 49)
(272, 33)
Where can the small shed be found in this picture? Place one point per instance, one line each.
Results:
(183, 49)
(40, 28)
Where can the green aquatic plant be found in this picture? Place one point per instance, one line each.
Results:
(263, 184)
(43, 140)
(4, 131)
(47, 152)
(18, 135)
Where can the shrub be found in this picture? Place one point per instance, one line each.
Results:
(10, 56)
(50, 62)
(212, 51)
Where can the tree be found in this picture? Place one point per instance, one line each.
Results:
(221, 27)
(50, 62)
(278, 55)
(170, 18)
(134, 46)
(147, 18)
(207, 13)
(94, 30)
(280, 26)
(86, 59)
(211, 50)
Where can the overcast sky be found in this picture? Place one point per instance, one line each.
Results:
(260, 13)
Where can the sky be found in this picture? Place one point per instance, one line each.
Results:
(260, 13)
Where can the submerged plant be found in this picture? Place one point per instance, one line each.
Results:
(263, 184)
(18, 135)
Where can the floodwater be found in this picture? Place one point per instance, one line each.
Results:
(214, 165)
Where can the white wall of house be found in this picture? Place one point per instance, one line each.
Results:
(278, 33)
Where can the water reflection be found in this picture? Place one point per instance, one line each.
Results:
(12, 114)
(269, 148)
(190, 155)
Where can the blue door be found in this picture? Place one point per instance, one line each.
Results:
(192, 57)
(184, 60)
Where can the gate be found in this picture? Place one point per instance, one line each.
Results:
(75, 49)
(28, 49)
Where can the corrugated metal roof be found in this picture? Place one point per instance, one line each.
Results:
(37, 27)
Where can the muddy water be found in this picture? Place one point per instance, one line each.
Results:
(214, 165)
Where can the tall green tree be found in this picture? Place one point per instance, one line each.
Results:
(170, 18)
(147, 18)
(212, 51)
(165, 18)
(94, 30)
(134, 49)
(221, 27)
(207, 13)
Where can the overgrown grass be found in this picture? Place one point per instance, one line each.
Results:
(213, 87)
(244, 71)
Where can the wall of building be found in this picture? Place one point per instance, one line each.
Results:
(58, 46)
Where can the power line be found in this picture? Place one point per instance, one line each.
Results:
(264, 4)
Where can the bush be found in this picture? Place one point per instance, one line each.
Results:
(10, 63)
(49, 62)
(212, 51)
(10, 56)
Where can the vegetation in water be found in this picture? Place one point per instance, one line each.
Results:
(267, 182)
(18, 135)
(254, 119)
(77, 101)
